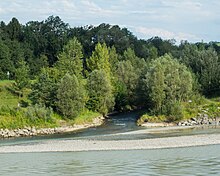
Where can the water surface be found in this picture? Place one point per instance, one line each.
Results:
(204, 160)
(179, 161)
(118, 124)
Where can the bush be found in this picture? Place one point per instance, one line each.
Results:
(39, 112)
(151, 119)
(173, 111)
(167, 84)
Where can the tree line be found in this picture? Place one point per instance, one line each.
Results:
(105, 68)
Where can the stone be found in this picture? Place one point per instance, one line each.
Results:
(179, 123)
(193, 119)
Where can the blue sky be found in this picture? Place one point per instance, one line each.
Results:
(192, 20)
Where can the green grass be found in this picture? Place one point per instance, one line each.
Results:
(218, 44)
(198, 105)
(151, 119)
(20, 121)
(9, 96)
(12, 117)
(6, 97)
(6, 83)
(86, 117)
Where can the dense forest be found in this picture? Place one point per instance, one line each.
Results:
(105, 68)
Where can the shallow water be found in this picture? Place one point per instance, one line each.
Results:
(179, 161)
(118, 124)
(199, 161)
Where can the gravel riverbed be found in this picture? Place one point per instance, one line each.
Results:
(98, 145)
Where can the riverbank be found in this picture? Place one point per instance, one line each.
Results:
(32, 131)
(199, 121)
(98, 145)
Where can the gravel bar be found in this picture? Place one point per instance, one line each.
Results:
(97, 145)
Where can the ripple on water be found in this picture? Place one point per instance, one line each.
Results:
(203, 160)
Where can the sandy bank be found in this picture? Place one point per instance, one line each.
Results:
(95, 145)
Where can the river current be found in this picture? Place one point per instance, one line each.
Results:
(201, 160)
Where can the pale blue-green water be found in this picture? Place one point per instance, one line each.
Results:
(199, 161)
(179, 161)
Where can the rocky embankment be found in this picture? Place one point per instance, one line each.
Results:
(33, 131)
(202, 119)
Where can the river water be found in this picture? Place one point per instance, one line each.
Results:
(204, 160)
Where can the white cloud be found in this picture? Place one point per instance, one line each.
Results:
(152, 32)
(179, 19)
(1, 10)
(91, 7)
(196, 9)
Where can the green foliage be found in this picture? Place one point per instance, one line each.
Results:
(70, 60)
(22, 75)
(151, 119)
(39, 112)
(99, 59)
(44, 89)
(167, 84)
(120, 69)
(71, 96)
(113, 58)
(173, 111)
(6, 64)
(126, 85)
(37, 64)
(10, 96)
(205, 64)
(46, 37)
(100, 93)
(14, 29)
(6, 110)
(213, 109)
(37, 115)
(86, 117)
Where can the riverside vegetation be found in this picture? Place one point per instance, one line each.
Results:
(53, 75)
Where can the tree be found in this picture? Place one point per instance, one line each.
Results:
(6, 65)
(163, 46)
(71, 96)
(90, 36)
(16, 54)
(205, 64)
(126, 85)
(100, 93)
(113, 58)
(44, 90)
(99, 59)
(136, 62)
(37, 64)
(167, 84)
(129, 71)
(22, 79)
(46, 37)
(55, 31)
(14, 29)
(70, 60)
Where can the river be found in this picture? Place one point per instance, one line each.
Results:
(201, 160)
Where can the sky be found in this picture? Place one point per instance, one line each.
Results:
(192, 20)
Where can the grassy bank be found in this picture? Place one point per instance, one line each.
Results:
(194, 108)
(13, 116)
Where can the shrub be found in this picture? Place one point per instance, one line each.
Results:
(151, 119)
(173, 111)
(39, 111)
